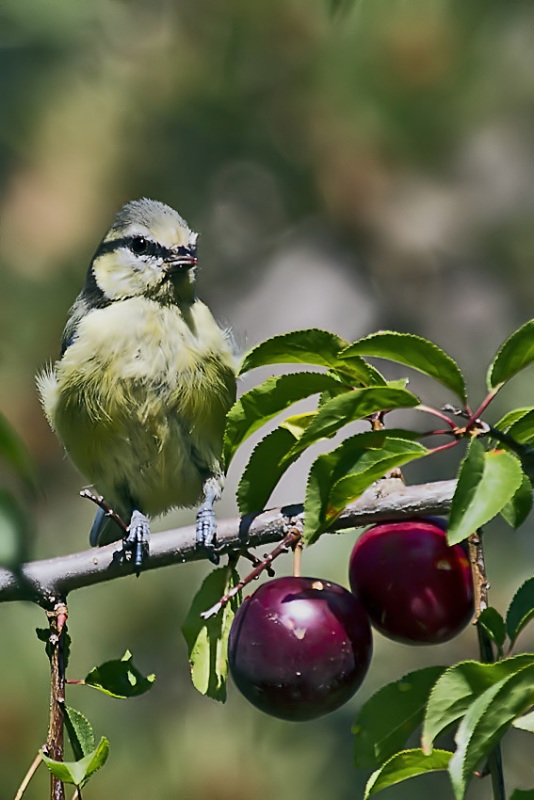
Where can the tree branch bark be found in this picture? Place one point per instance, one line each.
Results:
(45, 582)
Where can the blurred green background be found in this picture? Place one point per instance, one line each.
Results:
(350, 164)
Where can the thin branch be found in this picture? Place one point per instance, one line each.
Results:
(291, 539)
(436, 413)
(54, 743)
(480, 580)
(48, 581)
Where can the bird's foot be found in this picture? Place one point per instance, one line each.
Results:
(137, 540)
(207, 531)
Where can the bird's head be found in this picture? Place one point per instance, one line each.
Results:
(149, 251)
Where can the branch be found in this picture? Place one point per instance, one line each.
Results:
(55, 740)
(46, 582)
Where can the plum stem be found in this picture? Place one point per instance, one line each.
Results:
(297, 558)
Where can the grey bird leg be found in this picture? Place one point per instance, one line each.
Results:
(138, 538)
(206, 523)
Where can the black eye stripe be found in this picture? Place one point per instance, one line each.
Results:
(153, 249)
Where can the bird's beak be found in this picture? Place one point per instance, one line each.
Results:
(183, 260)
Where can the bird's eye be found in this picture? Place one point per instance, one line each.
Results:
(139, 245)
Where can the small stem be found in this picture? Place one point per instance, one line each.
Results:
(297, 558)
(98, 500)
(473, 419)
(438, 432)
(485, 647)
(478, 573)
(436, 413)
(441, 447)
(54, 743)
(36, 763)
(290, 540)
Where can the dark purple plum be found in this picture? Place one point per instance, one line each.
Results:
(415, 588)
(299, 647)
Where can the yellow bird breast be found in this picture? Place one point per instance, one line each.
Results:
(139, 400)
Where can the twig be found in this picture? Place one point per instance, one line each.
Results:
(475, 416)
(34, 766)
(290, 540)
(478, 573)
(43, 581)
(440, 414)
(54, 743)
(98, 500)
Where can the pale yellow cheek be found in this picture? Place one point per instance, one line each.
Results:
(118, 276)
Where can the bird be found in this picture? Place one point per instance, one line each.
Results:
(145, 378)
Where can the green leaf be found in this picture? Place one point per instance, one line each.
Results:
(350, 406)
(386, 720)
(458, 687)
(412, 351)
(522, 430)
(519, 507)
(255, 408)
(207, 639)
(505, 423)
(522, 794)
(312, 346)
(264, 470)
(13, 451)
(521, 610)
(515, 354)
(338, 477)
(493, 624)
(371, 466)
(14, 531)
(486, 721)
(119, 678)
(358, 372)
(80, 732)
(487, 481)
(525, 723)
(405, 765)
(79, 772)
(266, 465)
(317, 491)
(297, 424)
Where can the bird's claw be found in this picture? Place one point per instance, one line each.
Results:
(137, 540)
(206, 531)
